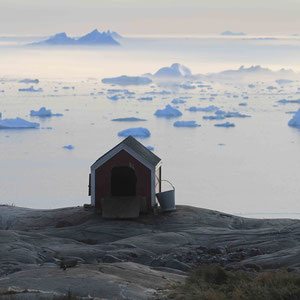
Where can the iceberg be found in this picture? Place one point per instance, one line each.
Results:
(178, 101)
(284, 101)
(69, 147)
(17, 123)
(126, 92)
(230, 33)
(43, 112)
(283, 81)
(31, 89)
(130, 119)
(217, 117)
(295, 121)
(176, 70)
(204, 86)
(127, 80)
(210, 108)
(158, 93)
(231, 114)
(145, 99)
(220, 112)
(227, 124)
(116, 97)
(28, 80)
(186, 124)
(187, 87)
(138, 132)
(168, 112)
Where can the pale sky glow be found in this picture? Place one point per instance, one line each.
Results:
(165, 17)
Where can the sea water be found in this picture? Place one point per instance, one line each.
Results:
(251, 169)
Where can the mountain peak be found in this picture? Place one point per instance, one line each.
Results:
(95, 32)
(93, 38)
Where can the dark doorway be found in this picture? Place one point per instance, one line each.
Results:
(123, 181)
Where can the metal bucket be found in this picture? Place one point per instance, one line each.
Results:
(167, 199)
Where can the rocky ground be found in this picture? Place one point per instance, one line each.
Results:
(138, 259)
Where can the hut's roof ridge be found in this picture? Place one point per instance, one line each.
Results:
(138, 148)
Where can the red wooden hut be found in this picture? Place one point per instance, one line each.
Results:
(127, 170)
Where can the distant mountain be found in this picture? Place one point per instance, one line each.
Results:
(114, 35)
(230, 33)
(93, 38)
(58, 39)
(97, 38)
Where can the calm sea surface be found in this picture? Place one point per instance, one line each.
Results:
(251, 169)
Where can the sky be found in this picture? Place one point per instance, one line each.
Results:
(144, 17)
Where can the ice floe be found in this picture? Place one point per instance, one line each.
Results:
(28, 80)
(127, 80)
(129, 119)
(295, 121)
(231, 114)
(186, 124)
(30, 89)
(145, 98)
(158, 93)
(217, 117)
(17, 123)
(43, 112)
(178, 101)
(116, 97)
(69, 147)
(210, 108)
(226, 124)
(138, 132)
(168, 112)
(284, 101)
(283, 81)
(187, 86)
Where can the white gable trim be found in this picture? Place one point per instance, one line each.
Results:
(115, 151)
(93, 187)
